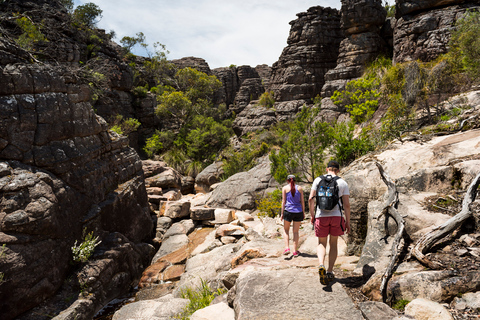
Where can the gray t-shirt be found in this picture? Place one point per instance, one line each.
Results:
(342, 191)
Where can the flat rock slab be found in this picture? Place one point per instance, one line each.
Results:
(291, 294)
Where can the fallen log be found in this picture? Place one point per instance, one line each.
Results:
(428, 240)
(390, 208)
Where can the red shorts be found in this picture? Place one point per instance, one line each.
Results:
(329, 225)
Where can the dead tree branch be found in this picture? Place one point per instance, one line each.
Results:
(428, 240)
(390, 208)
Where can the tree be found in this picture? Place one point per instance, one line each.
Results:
(192, 96)
(68, 4)
(88, 14)
(465, 43)
(129, 42)
(302, 153)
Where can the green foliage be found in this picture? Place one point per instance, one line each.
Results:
(400, 305)
(346, 148)
(244, 158)
(124, 127)
(390, 10)
(87, 15)
(360, 98)
(267, 99)
(302, 150)
(270, 205)
(398, 119)
(129, 42)
(465, 44)
(206, 139)
(199, 298)
(31, 33)
(140, 92)
(68, 4)
(84, 251)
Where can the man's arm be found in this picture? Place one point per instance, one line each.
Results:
(346, 208)
(311, 205)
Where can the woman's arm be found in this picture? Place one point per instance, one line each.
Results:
(302, 199)
(284, 199)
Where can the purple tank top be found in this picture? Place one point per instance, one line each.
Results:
(293, 203)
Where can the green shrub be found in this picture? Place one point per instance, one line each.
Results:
(270, 205)
(267, 99)
(465, 43)
(84, 251)
(124, 127)
(153, 145)
(31, 33)
(346, 148)
(244, 158)
(400, 305)
(140, 92)
(360, 98)
(199, 299)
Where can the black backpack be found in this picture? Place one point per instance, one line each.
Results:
(327, 193)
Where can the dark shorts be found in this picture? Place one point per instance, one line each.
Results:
(329, 225)
(292, 216)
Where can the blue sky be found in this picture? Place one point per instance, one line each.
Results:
(239, 32)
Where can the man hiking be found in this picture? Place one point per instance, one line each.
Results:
(331, 194)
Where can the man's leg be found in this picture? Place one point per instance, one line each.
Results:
(333, 252)
(321, 250)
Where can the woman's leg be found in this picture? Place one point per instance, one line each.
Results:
(286, 229)
(296, 228)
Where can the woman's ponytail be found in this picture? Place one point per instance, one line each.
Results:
(291, 179)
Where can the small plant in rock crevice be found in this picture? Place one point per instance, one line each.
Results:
(83, 251)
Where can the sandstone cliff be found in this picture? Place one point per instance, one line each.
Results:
(63, 173)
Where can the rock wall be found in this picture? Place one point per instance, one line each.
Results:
(362, 21)
(62, 171)
(312, 50)
(423, 28)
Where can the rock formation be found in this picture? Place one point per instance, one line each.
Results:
(312, 50)
(62, 174)
(362, 21)
(423, 28)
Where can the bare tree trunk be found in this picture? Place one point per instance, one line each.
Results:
(390, 208)
(428, 240)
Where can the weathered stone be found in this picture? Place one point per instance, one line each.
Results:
(166, 180)
(173, 273)
(163, 308)
(423, 309)
(214, 312)
(210, 175)
(312, 50)
(269, 294)
(182, 227)
(177, 209)
(201, 213)
(238, 191)
(424, 34)
(374, 310)
(228, 239)
(229, 230)
(472, 300)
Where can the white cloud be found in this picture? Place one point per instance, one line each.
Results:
(240, 32)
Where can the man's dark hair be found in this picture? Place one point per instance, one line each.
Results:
(333, 164)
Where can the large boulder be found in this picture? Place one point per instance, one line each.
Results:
(239, 191)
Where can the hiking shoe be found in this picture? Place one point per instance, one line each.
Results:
(287, 251)
(296, 254)
(330, 277)
(322, 273)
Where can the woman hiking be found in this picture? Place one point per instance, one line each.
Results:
(293, 209)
